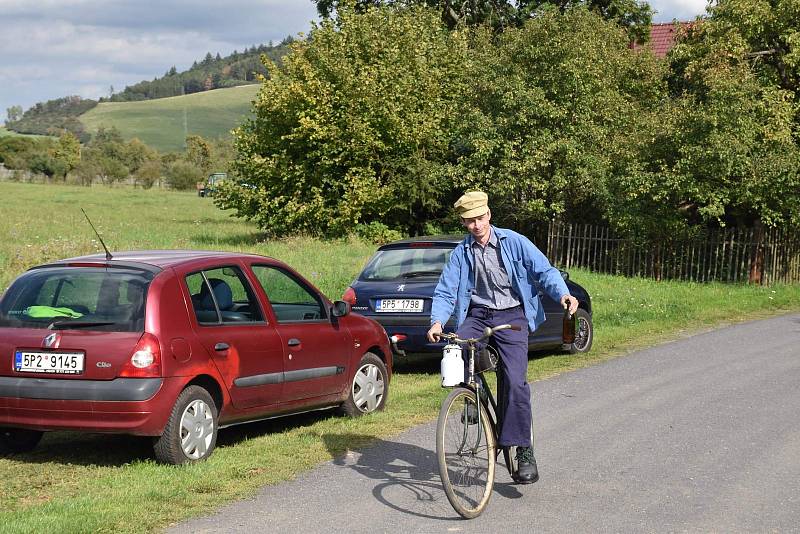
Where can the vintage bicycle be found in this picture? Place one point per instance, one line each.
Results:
(469, 423)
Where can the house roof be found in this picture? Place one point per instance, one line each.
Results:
(662, 37)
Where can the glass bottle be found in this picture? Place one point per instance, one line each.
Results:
(568, 328)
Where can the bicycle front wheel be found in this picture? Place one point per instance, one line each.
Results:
(466, 452)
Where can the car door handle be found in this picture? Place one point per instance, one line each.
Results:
(220, 347)
(294, 342)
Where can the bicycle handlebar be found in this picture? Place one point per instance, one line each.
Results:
(489, 332)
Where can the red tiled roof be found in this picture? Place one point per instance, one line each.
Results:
(662, 37)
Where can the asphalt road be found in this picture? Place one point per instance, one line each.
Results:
(697, 435)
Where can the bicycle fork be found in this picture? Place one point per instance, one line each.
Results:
(478, 422)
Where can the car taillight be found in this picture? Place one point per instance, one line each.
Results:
(145, 362)
(349, 296)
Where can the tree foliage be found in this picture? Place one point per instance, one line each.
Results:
(53, 117)
(13, 113)
(634, 15)
(734, 78)
(558, 106)
(354, 127)
(386, 115)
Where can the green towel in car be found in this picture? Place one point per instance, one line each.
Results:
(48, 312)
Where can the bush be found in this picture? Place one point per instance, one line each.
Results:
(183, 176)
(377, 233)
(148, 174)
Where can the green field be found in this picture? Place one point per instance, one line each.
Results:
(7, 133)
(106, 483)
(164, 123)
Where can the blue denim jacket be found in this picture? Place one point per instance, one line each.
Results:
(527, 268)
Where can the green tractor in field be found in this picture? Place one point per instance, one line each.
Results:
(207, 188)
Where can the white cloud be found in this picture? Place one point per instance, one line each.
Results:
(668, 10)
(55, 48)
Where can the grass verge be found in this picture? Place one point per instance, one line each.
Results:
(104, 483)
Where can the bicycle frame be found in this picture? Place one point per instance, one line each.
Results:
(477, 382)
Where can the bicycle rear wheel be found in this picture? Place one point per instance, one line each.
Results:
(466, 452)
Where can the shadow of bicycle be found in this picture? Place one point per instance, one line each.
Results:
(407, 475)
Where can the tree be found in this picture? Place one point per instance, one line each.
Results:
(44, 163)
(634, 15)
(352, 130)
(14, 113)
(135, 154)
(736, 77)
(199, 153)
(558, 107)
(67, 151)
(182, 175)
(148, 174)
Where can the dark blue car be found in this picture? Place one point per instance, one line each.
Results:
(396, 286)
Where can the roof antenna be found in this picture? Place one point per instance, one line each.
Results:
(108, 254)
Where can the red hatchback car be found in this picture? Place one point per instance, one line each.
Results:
(176, 345)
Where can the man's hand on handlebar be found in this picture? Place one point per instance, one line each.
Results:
(434, 331)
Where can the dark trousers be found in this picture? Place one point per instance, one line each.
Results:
(514, 395)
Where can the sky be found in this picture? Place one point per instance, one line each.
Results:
(55, 48)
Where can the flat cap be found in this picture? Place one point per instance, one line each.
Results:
(472, 204)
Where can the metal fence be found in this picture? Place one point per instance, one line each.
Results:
(765, 256)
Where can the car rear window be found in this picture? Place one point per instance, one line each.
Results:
(403, 263)
(90, 298)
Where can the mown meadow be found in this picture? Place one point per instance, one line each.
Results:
(105, 483)
(164, 123)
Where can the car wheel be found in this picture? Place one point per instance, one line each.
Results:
(19, 439)
(584, 332)
(369, 387)
(191, 432)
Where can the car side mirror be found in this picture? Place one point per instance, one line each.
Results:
(340, 308)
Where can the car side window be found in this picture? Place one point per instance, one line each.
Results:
(291, 300)
(223, 296)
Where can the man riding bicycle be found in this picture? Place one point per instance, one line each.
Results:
(492, 279)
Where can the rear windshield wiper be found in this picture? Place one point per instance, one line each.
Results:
(65, 325)
(414, 274)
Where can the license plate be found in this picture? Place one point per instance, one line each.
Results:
(61, 363)
(398, 305)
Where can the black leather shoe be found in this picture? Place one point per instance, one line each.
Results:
(526, 473)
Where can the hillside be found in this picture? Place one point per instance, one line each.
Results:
(8, 133)
(164, 123)
(235, 70)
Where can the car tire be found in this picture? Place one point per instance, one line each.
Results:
(191, 432)
(19, 439)
(368, 388)
(584, 332)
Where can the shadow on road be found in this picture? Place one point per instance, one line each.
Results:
(407, 475)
